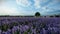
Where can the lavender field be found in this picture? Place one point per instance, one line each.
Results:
(29, 25)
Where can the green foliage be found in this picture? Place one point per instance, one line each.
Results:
(17, 32)
(37, 14)
(29, 30)
(25, 32)
(4, 27)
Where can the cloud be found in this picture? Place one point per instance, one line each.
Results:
(43, 6)
(40, 3)
(54, 2)
(37, 4)
(8, 7)
(24, 3)
(1, 1)
(8, 11)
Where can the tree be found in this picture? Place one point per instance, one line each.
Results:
(51, 16)
(57, 16)
(37, 14)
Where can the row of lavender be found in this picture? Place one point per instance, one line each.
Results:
(30, 25)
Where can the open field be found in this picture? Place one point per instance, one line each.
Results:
(29, 25)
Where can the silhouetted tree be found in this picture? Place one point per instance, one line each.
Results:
(37, 14)
(57, 16)
(51, 16)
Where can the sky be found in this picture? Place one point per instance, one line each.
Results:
(29, 7)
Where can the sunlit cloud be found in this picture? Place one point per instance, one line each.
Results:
(8, 11)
